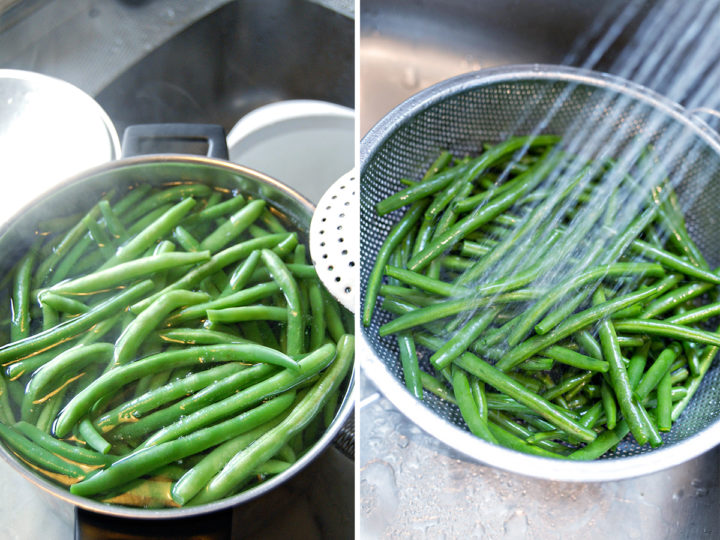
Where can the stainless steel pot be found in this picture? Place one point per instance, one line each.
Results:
(78, 193)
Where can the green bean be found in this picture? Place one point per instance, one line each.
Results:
(142, 462)
(589, 344)
(556, 293)
(218, 210)
(196, 478)
(116, 378)
(572, 358)
(411, 368)
(393, 239)
(185, 239)
(92, 438)
(318, 327)
(653, 433)
(147, 220)
(62, 303)
(567, 385)
(100, 236)
(469, 407)
(247, 313)
(695, 315)
(114, 226)
(198, 336)
(462, 339)
(609, 405)
(55, 371)
(245, 462)
(279, 382)
(663, 411)
(425, 283)
(434, 386)
(166, 195)
(483, 214)
(216, 262)
(286, 245)
(213, 392)
(672, 221)
(604, 442)
(20, 322)
(496, 378)
(239, 298)
(69, 329)
(134, 334)
(37, 455)
(289, 287)
(447, 308)
(151, 234)
(62, 448)
(619, 378)
(509, 440)
(241, 275)
(69, 264)
(674, 298)
(300, 271)
(127, 271)
(532, 221)
(6, 413)
(673, 262)
(669, 330)
(235, 225)
(706, 360)
(575, 322)
(29, 364)
(636, 365)
(71, 238)
(657, 371)
(131, 410)
(428, 186)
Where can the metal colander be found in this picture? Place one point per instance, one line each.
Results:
(461, 114)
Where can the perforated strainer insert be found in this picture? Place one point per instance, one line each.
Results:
(333, 239)
(486, 107)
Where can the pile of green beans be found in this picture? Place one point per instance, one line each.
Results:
(546, 350)
(172, 346)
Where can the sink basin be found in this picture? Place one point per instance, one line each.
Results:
(405, 48)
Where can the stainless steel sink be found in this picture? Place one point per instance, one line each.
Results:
(412, 485)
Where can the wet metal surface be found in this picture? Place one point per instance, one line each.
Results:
(412, 486)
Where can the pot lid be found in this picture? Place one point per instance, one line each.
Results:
(49, 130)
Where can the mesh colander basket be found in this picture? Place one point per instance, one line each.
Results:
(461, 114)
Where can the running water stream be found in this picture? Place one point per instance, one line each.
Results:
(618, 150)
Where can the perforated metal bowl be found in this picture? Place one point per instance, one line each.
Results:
(487, 106)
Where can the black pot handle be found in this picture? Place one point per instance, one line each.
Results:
(137, 137)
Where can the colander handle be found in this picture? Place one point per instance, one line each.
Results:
(147, 138)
